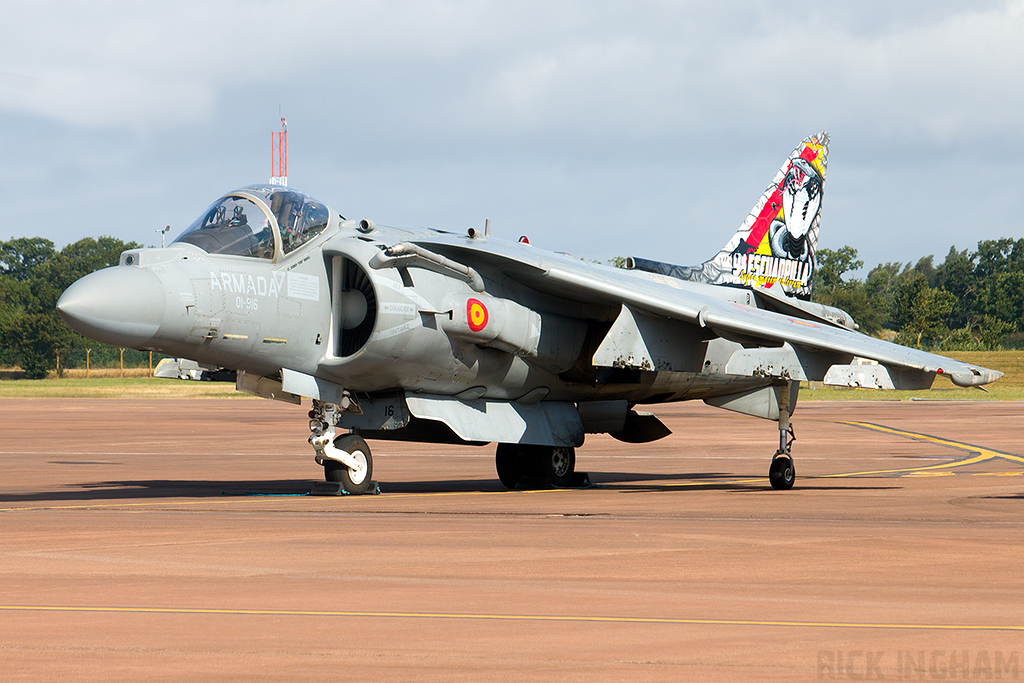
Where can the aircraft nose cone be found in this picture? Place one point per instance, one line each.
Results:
(123, 306)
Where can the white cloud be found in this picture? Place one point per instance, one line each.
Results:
(576, 113)
(647, 69)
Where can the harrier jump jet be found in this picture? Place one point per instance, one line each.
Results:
(429, 335)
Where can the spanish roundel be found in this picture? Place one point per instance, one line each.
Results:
(476, 315)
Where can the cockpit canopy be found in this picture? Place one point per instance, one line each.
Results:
(261, 221)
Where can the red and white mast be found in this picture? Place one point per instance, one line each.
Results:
(279, 156)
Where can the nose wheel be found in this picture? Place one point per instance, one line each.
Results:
(346, 458)
(354, 475)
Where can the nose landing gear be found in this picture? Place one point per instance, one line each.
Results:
(345, 458)
(354, 472)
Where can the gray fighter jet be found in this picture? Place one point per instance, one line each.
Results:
(430, 335)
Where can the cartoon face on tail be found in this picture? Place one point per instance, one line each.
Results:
(801, 202)
(775, 245)
(801, 198)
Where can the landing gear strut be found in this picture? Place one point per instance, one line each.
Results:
(782, 473)
(519, 463)
(346, 458)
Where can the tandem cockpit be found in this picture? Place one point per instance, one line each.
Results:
(260, 221)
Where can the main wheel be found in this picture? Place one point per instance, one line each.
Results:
(354, 480)
(559, 464)
(782, 474)
(506, 461)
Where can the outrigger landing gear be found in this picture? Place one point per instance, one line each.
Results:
(782, 473)
(554, 465)
(345, 458)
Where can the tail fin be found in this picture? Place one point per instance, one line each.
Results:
(776, 244)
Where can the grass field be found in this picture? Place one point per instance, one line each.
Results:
(1009, 388)
(108, 383)
(116, 387)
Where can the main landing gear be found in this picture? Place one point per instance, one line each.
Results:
(346, 458)
(782, 473)
(546, 465)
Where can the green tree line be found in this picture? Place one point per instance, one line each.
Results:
(972, 301)
(33, 274)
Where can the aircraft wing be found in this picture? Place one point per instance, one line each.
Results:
(567, 277)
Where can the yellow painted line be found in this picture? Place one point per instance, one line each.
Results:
(982, 454)
(510, 617)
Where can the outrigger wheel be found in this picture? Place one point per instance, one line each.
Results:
(353, 480)
(554, 465)
(782, 473)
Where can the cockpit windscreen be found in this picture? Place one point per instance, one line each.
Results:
(235, 226)
(300, 217)
(240, 226)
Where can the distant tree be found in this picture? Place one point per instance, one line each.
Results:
(19, 256)
(998, 256)
(960, 339)
(881, 286)
(991, 331)
(926, 266)
(853, 298)
(74, 261)
(32, 277)
(34, 340)
(956, 276)
(920, 311)
(1003, 298)
(832, 266)
(883, 280)
(832, 288)
(617, 262)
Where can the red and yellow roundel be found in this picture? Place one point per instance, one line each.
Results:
(476, 315)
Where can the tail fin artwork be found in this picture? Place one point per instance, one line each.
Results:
(777, 242)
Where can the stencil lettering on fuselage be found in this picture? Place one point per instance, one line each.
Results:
(249, 285)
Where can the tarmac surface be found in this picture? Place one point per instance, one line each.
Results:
(167, 540)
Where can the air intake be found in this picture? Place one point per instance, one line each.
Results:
(355, 307)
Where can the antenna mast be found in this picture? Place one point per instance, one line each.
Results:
(279, 156)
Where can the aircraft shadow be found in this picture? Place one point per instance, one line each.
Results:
(1012, 496)
(161, 488)
(626, 482)
(632, 482)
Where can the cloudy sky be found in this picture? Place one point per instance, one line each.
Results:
(597, 127)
